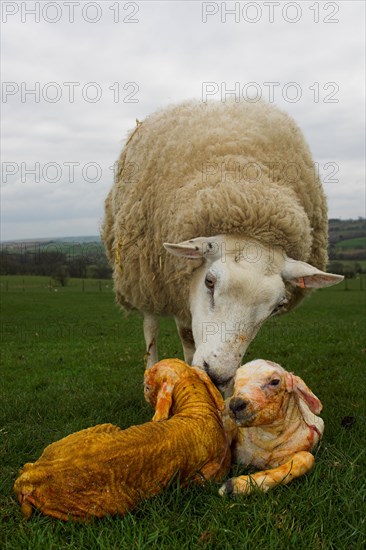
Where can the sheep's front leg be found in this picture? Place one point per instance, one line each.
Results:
(186, 337)
(301, 463)
(151, 329)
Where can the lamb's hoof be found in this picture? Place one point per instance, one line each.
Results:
(227, 488)
(25, 506)
(27, 509)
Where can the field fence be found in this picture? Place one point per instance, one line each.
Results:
(40, 284)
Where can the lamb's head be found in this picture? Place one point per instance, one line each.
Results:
(239, 284)
(159, 382)
(261, 393)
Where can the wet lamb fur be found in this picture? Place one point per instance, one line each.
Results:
(105, 470)
(163, 194)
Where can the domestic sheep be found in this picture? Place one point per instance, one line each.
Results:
(272, 423)
(234, 190)
(106, 470)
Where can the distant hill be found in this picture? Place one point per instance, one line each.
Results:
(59, 258)
(347, 239)
(343, 234)
(80, 240)
(85, 256)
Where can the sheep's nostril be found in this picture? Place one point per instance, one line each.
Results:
(217, 378)
(237, 404)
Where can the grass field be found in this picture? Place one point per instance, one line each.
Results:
(359, 243)
(71, 359)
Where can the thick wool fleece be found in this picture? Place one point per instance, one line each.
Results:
(203, 169)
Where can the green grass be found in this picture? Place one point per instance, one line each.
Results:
(71, 359)
(359, 243)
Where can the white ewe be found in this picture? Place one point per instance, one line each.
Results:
(236, 183)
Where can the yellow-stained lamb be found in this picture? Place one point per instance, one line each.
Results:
(106, 470)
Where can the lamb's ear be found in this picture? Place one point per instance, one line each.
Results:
(201, 247)
(163, 402)
(297, 385)
(213, 391)
(306, 276)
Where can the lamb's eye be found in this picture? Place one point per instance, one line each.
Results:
(210, 282)
(274, 382)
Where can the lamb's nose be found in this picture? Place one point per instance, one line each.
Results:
(237, 404)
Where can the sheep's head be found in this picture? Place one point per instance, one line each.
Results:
(239, 284)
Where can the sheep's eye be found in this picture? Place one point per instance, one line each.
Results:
(279, 306)
(274, 382)
(210, 282)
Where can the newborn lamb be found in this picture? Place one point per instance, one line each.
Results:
(272, 424)
(105, 470)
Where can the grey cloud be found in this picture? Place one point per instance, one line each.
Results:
(168, 54)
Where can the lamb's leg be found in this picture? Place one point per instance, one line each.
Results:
(299, 464)
(151, 329)
(186, 337)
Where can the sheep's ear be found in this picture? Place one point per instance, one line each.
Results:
(297, 385)
(212, 390)
(163, 402)
(306, 276)
(201, 247)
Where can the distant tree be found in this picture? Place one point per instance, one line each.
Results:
(336, 267)
(60, 275)
(78, 267)
(99, 271)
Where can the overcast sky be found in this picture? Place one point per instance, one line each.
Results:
(94, 67)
